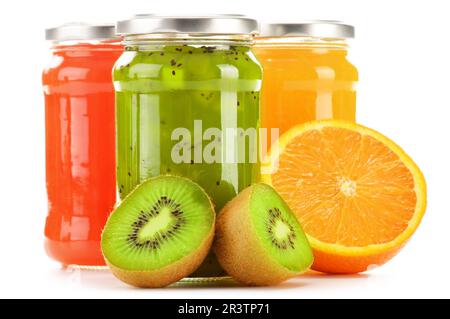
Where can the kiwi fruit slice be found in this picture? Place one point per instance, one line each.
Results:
(259, 240)
(160, 233)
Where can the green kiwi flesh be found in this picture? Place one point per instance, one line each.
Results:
(279, 230)
(161, 232)
(259, 240)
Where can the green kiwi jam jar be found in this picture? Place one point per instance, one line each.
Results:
(187, 104)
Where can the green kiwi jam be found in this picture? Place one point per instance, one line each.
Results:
(162, 88)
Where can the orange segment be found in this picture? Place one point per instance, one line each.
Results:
(357, 194)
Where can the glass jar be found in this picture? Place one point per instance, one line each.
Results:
(80, 140)
(182, 85)
(307, 75)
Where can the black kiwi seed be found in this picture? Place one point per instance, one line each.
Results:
(208, 49)
(144, 217)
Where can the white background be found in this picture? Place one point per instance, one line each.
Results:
(402, 52)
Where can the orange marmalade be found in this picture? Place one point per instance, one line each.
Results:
(307, 75)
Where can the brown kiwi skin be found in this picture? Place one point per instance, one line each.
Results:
(238, 249)
(169, 274)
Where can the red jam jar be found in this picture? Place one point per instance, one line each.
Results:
(80, 140)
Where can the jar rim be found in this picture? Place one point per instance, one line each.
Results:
(188, 39)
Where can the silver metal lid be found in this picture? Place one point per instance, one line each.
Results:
(221, 24)
(81, 31)
(317, 28)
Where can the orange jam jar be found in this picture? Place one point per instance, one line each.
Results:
(307, 75)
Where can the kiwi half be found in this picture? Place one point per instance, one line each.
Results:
(160, 233)
(259, 240)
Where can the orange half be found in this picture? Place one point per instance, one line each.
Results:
(358, 195)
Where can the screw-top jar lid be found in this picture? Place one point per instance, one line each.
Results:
(81, 31)
(316, 28)
(221, 24)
